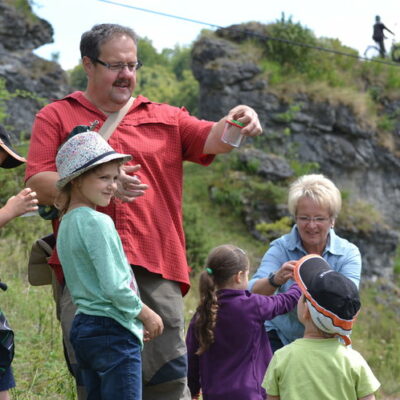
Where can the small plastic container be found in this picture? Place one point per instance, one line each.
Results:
(233, 133)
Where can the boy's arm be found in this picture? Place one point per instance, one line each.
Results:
(369, 397)
(273, 397)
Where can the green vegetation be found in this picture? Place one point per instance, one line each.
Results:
(215, 200)
(24, 7)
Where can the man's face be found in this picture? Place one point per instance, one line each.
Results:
(109, 88)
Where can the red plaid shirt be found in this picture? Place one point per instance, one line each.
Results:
(159, 137)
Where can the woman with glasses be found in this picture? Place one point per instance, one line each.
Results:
(314, 202)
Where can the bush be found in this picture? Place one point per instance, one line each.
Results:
(283, 51)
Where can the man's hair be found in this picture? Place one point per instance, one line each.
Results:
(92, 40)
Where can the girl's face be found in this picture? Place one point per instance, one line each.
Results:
(97, 187)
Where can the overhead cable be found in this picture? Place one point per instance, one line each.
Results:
(252, 33)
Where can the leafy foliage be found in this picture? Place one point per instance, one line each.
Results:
(280, 48)
(77, 78)
(274, 230)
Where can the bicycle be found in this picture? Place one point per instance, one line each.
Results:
(373, 51)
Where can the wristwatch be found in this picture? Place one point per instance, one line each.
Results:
(271, 280)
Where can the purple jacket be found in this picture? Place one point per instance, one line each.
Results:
(234, 366)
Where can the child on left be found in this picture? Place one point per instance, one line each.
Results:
(23, 202)
(107, 332)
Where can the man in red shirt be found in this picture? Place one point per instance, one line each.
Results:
(159, 137)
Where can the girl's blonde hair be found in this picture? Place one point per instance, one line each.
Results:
(223, 262)
(318, 188)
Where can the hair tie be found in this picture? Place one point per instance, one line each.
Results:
(209, 271)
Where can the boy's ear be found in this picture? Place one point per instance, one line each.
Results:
(306, 312)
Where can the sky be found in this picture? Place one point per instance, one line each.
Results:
(350, 21)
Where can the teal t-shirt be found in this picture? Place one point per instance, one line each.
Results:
(316, 369)
(96, 270)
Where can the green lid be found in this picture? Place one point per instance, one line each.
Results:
(237, 123)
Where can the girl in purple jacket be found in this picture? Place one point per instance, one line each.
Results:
(228, 348)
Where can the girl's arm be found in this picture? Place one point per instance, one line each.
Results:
(152, 323)
(278, 304)
(193, 375)
(273, 397)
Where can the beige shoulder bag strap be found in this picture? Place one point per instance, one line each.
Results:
(114, 119)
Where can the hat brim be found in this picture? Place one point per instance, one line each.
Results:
(14, 159)
(123, 158)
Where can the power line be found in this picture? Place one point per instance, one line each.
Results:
(255, 34)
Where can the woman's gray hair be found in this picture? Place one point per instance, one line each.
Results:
(92, 40)
(318, 188)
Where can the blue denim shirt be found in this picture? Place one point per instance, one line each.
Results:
(341, 255)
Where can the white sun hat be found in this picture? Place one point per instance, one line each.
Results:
(82, 152)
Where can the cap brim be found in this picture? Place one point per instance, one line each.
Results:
(111, 157)
(306, 271)
(13, 159)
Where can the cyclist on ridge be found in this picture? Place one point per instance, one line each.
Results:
(378, 35)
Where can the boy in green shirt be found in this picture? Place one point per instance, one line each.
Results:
(319, 366)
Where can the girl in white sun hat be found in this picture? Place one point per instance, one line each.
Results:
(107, 332)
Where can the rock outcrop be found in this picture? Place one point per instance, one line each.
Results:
(346, 150)
(31, 81)
(332, 136)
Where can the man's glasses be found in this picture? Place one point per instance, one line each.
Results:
(132, 66)
(307, 220)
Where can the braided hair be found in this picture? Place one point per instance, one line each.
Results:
(223, 262)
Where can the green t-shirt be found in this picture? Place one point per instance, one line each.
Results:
(319, 369)
(96, 270)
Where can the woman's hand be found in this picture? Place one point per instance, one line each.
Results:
(285, 272)
(282, 275)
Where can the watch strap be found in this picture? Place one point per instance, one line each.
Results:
(271, 280)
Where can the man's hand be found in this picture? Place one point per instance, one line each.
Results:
(248, 117)
(244, 114)
(130, 186)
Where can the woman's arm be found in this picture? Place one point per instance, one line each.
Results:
(282, 275)
(351, 265)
